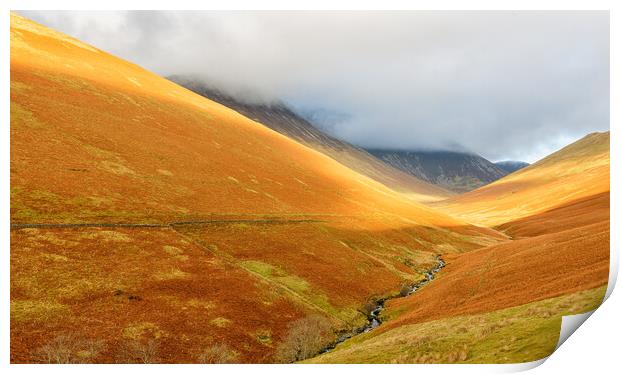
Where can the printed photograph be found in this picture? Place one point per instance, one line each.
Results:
(312, 187)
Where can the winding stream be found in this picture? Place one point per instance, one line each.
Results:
(374, 318)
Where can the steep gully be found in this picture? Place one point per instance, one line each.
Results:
(374, 317)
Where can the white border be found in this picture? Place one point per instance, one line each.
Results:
(592, 348)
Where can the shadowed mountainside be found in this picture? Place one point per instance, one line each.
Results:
(456, 171)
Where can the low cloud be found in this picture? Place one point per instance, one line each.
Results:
(507, 85)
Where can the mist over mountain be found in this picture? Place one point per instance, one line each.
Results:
(511, 85)
(407, 171)
(511, 166)
(279, 117)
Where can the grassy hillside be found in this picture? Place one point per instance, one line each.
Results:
(249, 232)
(513, 335)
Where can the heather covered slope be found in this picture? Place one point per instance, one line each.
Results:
(578, 171)
(281, 118)
(123, 143)
(249, 229)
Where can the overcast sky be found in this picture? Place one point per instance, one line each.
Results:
(506, 85)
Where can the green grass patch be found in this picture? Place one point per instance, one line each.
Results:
(220, 322)
(37, 206)
(22, 117)
(37, 310)
(263, 336)
(520, 334)
(170, 274)
(302, 288)
(276, 274)
(142, 330)
(106, 236)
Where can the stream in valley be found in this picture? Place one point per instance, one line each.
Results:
(374, 317)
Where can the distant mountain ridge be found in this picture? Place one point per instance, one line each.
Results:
(456, 171)
(279, 117)
(511, 166)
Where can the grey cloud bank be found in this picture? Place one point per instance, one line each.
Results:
(506, 85)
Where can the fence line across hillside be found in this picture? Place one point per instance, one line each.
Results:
(18, 226)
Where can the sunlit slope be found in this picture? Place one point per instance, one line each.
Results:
(277, 231)
(279, 117)
(96, 138)
(576, 172)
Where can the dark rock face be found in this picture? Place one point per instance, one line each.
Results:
(511, 166)
(279, 117)
(456, 171)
